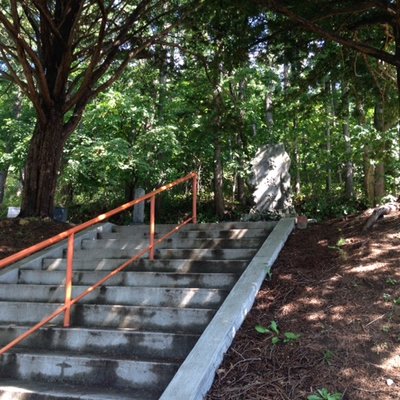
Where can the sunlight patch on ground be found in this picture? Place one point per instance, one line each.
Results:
(290, 308)
(347, 372)
(367, 268)
(378, 248)
(393, 235)
(305, 302)
(316, 316)
(313, 301)
(338, 313)
(335, 278)
(286, 277)
(393, 361)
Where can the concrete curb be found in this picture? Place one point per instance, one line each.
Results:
(10, 274)
(195, 376)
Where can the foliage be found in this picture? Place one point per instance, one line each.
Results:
(352, 24)
(227, 77)
(328, 206)
(324, 394)
(273, 329)
(328, 356)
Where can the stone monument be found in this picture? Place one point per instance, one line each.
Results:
(271, 181)
(138, 210)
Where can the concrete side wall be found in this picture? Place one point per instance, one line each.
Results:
(10, 274)
(194, 378)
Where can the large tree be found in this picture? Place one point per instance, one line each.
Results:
(63, 53)
(371, 27)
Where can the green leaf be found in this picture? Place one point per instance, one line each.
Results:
(328, 356)
(323, 392)
(341, 242)
(262, 329)
(314, 397)
(291, 336)
(275, 340)
(326, 395)
(274, 327)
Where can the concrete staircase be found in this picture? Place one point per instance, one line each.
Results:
(129, 337)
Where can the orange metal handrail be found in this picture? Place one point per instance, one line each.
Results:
(70, 235)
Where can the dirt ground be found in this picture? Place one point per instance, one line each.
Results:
(334, 295)
(16, 234)
(339, 289)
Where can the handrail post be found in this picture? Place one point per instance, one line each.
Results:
(152, 225)
(70, 236)
(68, 280)
(195, 187)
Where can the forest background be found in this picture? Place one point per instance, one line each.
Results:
(205, 94)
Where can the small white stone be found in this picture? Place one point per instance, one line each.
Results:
(389, 382)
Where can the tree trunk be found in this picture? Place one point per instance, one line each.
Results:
(241, 196)
(340, 176)
(3, 179)
(269, 116)
(67, 193)
(369, 177)
(380, 126)
(330, 111)
(349, 172)
(379, 182)
(297, 186)
(241, 159)
(41, 169)
(218, 181)
(328, 156)
(129, 191)
(349, 183)
(162, 83)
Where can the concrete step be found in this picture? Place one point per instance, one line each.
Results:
(86, 369)
(143, 228)
(162, 253)
(176, 243)
(118, 342)
(11, 389)
(172, 265)
(119, 295)
(137, 279)
(192, 234)
(160, 319)
(245, 233)
(205, 254)
(222, 226)
(130, 336)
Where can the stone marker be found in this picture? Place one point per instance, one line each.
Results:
(271, 179)
(138, 210)
(301, 222)
(60, 214)
(13, 212)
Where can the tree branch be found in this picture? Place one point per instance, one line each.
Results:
(315, 28)
(27, 88)
(44, 12)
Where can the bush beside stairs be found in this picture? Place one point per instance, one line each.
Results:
(129, 337)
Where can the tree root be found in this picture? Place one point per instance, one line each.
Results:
(379, 212)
